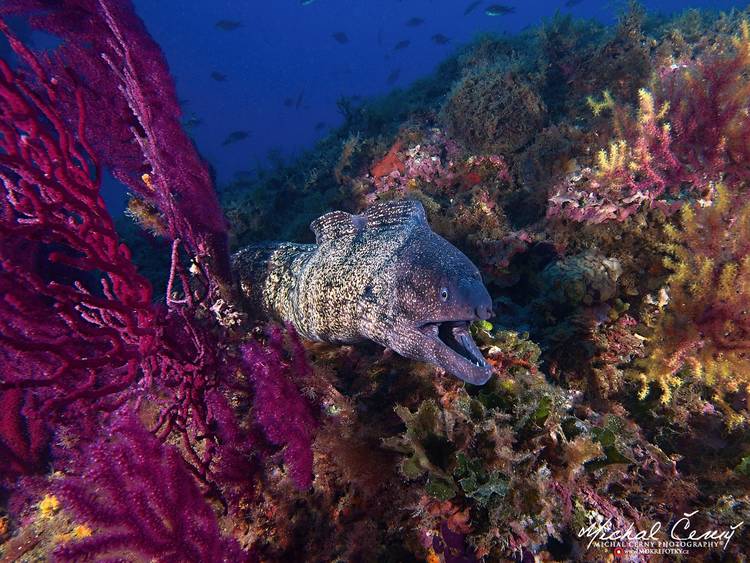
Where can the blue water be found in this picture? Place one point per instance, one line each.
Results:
(285, 51)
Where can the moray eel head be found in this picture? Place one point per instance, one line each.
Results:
(440, 293)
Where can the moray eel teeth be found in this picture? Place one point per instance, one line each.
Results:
(455, 350)
(383, 276)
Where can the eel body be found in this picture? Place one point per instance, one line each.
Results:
(383, 276)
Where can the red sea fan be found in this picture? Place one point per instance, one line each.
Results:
(77, 324)
(278, 407)
(109, 61)
(78, 329)
(23, 436)
(72, 302)
(140, 501)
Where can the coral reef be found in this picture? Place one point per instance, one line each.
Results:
(691, 131)
(597, 176)
(139, 500)
(611, 234)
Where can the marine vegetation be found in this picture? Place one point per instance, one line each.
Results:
(704, 330)
(88, 358)
(597, 179)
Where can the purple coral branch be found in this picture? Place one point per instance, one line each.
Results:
(23, 436)
(132, 116)
(278, 407)
(140, 500)
(77, 323)
(80, 335)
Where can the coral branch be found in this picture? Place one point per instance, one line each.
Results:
(132, 115)
(280, 410)
(72, 301)
(23, 436)
(141, 501)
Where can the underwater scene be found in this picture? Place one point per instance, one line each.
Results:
(383, 281)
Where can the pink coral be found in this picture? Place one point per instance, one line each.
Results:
(283, 414)
(142, 502)
(436, 160)
(637, 171)
(23, 436)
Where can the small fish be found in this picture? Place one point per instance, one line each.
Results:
(192, 122)
(393, 77)
(571, 3)
(440, 39)
(218, 76)
(234, 137)
(305, 2)
(471, 7)
(341, 37)
(228, 25)
(402, 45)
(414, 22)
(499, 10)
(320, 125)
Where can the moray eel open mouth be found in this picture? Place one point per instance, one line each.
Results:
(452, 348)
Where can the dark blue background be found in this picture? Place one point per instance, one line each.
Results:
(284, 48)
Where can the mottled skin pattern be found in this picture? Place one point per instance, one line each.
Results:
(383, 276)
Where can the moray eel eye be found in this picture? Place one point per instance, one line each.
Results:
(444, 294)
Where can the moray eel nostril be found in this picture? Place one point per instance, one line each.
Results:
(383, 276)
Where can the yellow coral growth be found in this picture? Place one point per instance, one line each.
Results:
(704, 332)
(79, 532)
(647, 110)
(622, 159)
(48, 506)
(432, 557)
(613, 160)
(742, 43)
(597, 107)
(146, 215)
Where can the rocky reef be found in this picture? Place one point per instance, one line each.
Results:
(597, 176)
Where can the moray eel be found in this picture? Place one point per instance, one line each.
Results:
(383, 276)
